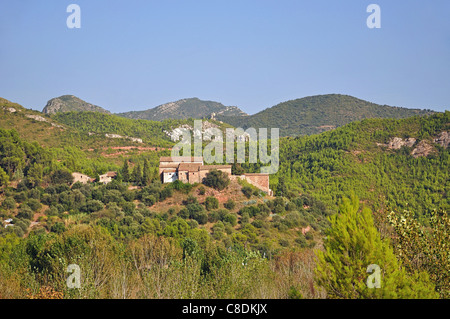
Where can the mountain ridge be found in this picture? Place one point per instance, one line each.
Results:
(303, 116)
(183, 109)
(318, 113)
(68, 103)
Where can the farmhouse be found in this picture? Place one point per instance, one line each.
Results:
(192, 170)
(84, 179)
(107, 177)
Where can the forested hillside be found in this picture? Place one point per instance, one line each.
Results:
(316, 114)
(138, 238)
(151, 132)
(357, 158)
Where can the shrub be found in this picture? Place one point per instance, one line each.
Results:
(301, 241)
(20, 197)
(247, 191)
(180, 186)
(92, 205)
(201, 190)
(58, 228)
(61, 177)
(258, 223)
(229, 204)
(200, 217)
(129, 196)
(194, 208)
(149, 200)
(222, 213)
(22, 223)
(9, 203)
(230, 219)
(213, 217)
(251, 210)
(190, 200)
(211, 203)
(52, 211)
(290, 206)
(184, 213)
(112, 195)
(284, 242)
(34, 193)
(216, 179)
(25, 212)
(166, 193)
(245, 218)
(128, 207)
(34, 204)
(218, 231)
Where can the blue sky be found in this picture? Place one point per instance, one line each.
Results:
(133, 55)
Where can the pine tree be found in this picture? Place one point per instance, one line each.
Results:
(281, 187)
(146, 173)
(4, 178)
(351, 246)
(136, 174)
(125, 173)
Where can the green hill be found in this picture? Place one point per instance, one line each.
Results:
(70, 103)
(231, 243)
(315, 114)
(73, 145)
(402, 163)
(155, 133)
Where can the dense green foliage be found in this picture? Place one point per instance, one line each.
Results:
(424, 249)
(315, 114)
(351, 246)
(216, 179)
(138, 238)
(33, 164)
(152, 132)
(348, 159)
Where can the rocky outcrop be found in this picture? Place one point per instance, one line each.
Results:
(422, 149)
(69, 103)
(397, 143)
(43, 119)
(184, 109)
(443, 139)
(36, 118)
(207, 133)
(133, 139)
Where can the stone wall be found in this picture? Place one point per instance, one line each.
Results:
(259, 180)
